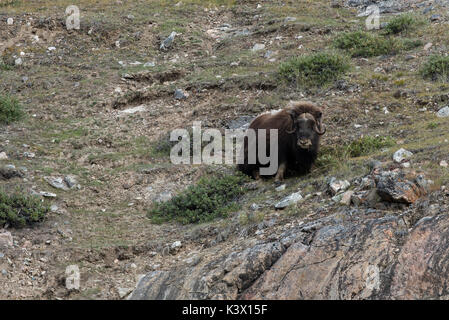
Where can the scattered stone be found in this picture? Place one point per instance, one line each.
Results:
(29, 155)
(346, 198)
(427, 46)
(56, 182)
(71, 181)
(443, 163)
(337, 186)
(435, 17)
(393, 187)
(287, 201)
(10, 21)
(149, 64)
(167, 43)
(443, 113)
(289, 19)
(257, 47)
(54, 208)
(18, 62)
(123, 292)
(163, 197)
(6, 239)
(175, 247)
(409, 57)
(269, 54)
(9, 171)
(180, 94)
(337, 198)
(4, 272)
(402, 155)
(378, 69)
(281, 187)
(427, 10)
(140, 108)
(3, 156)
(254, 207)
(47, 194)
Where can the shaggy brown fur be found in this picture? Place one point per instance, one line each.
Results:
(299, 130)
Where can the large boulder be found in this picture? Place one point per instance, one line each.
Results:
(343, 256)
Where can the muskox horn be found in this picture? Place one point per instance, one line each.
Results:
(293, 116)
(322, 127)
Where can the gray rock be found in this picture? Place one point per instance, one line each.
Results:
(435, 17)
(6, 239)
(47, 194)
(163, 196)
(337, 186)
(402, 155)
(427, 10)
(123, 292)
(167, 43)
(363, 253)
(257, 47)
(9, 171)
(71, 181)
(287, 201)
(393, 187)
(56, 182)
(3, 156)
(443, 113)
(180, 94)
(281, 187)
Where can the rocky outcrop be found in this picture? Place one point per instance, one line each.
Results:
(343, 256)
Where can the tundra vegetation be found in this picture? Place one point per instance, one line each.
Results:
(19, 210)
(209, 198)
(10, 109)
(62, 112)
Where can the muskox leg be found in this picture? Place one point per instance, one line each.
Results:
(256, 174)
(281, 172)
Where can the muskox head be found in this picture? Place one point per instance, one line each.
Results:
(306, 126)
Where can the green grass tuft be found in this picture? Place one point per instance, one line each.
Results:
(10, 110)
(333, 156)
(402, 23)
(19, 210)
(314, 70)
(364, 44)
(210, 198)
(436, 68)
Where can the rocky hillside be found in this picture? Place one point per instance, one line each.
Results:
(86, 179)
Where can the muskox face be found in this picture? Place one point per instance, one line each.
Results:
(306, 129)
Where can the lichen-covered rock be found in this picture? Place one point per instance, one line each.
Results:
(336, 257)
(393, 187)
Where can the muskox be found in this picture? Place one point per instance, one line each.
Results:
(299, 128)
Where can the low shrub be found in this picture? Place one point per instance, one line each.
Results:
(19, 210)
(314, 70)
(10, 110)
(436, 68)
(210, 198)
